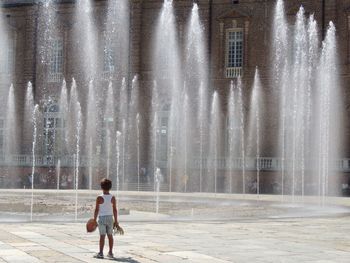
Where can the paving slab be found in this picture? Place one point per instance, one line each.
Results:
(287, 240)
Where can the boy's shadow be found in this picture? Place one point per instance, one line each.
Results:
(125, 260)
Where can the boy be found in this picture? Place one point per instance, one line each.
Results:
(106, 209)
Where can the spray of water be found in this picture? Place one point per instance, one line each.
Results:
(302, 81)
(242, 131)
(232, 125)
(138, 149)
(117, 145)
(167, 73)
(214, 148)
(58, 173)
(11, 135)
(254, 138)
(77, 155)
(85, 38)
(32, 178)
(157, 181)
(47, 32)
(63, 106)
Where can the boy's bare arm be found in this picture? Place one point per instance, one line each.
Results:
(97, 206)
(115, 211)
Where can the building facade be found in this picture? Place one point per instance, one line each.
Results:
(238, 39)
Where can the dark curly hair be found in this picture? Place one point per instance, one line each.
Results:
(106, 184)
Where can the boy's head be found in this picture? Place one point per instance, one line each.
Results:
(106, 184)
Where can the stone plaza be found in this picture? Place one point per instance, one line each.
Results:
(321, 240)
(205, 228)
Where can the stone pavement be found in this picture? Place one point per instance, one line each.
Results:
(314, 240)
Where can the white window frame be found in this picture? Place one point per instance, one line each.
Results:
(234, 70)
(56, 63)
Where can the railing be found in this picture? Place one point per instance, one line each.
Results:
(46, 160)
(249, 163)
(163, 187)
(55, 77)
(107, 75)
(233, 72)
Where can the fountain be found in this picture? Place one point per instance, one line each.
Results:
(184, 142)
(122, 125)
(232, 124)
(91, 135)
(109, 124)
(133, 139)
(254, 127)
(32, 178)
(63, 106)
(85, 38)
(155, 128)
(123, 150)
(202, 120)
(303, 106)
(77, 156)
(117, 145)
(171, 122)
(242, 132)
(166, 62)
(214, 144)
(138, 149)
(28, 114)
(58, 172)
(48, 34)
(11, 124)
(157, 181)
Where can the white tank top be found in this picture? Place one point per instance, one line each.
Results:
(106, 209)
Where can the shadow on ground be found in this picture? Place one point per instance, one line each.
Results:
(126, 260)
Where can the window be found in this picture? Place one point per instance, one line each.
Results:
(108, 60)
(56, 60)
(109, 54)
(53, 130)
(234, 53)
(7, 57)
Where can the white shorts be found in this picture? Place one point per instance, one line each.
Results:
(105, 225)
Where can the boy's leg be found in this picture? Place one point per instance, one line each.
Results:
(109, 229)
(102, 243)
(111, 241)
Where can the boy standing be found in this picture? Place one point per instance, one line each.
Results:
(106, 209)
